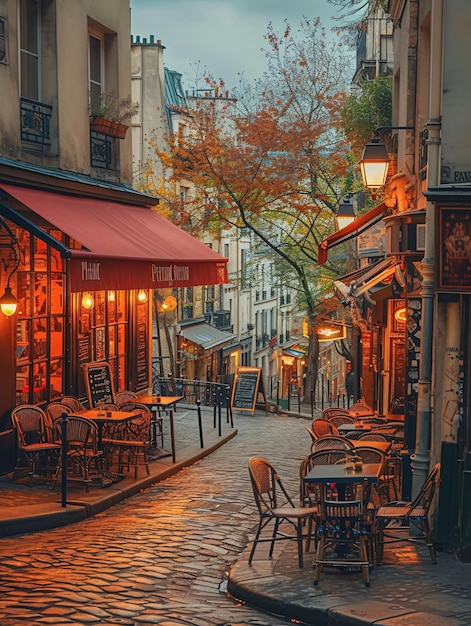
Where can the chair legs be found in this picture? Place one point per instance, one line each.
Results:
(278, 535)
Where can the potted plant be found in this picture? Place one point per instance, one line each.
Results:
(110, 114)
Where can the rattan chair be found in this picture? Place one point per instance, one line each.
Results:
(343, 538)
(334, 412)
(83, 456)
(73, 402)
(34, 440)
(132, 439)
(322, 427)
(311, 495)
(275, 507)
(340, 420)
(122, 397)
(331, 442)
(406, 513)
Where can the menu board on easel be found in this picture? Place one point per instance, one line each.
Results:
(248, 384)
(99, 383)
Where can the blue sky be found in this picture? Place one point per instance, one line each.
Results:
(222, 37)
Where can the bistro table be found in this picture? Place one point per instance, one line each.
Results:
(342, 476)
(382, 446)
(156, 403)
(100, 417)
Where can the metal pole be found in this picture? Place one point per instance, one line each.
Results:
(219, 411)
(64, 459)
(312, 403)
(200, 425)
(229, 407)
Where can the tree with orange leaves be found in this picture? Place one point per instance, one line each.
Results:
(272, 158)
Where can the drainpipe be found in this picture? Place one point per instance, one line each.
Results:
(420, 459)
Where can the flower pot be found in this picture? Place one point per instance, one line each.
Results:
(100, 125)
(118, 130)
(108, 127)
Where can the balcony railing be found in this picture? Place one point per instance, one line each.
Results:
(35, 122)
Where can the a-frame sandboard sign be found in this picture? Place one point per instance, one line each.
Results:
(248, 384)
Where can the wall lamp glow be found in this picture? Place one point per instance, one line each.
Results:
(8, 303)
(142, 295)
(88, 302)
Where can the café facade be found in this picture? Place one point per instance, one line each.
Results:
(81, 261)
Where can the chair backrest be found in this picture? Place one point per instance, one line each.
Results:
(81, 433)
(339, 420)
(372, 437)
(56, 410)
(311, 434)
(333, 412)
(424, 498)
(331, 442)
(72, 402)
(370, 455)
(30, 422)
(124, 396)
(266, 485)
(137, 428)
(341, 517)
(322, 427)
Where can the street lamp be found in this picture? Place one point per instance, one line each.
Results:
(374, 165)
(345, 214)
(374, 162)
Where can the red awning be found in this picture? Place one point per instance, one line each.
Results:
(354, 229)
(123, 246)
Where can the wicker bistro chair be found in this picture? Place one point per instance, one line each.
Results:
(73, 402)
(331, 442)
(122, 397)
(334, 412)
(35, 440)
(322, 427)
(131, 438)
(340, 420)
(415, 513)
(268, 490)
(343, 538)
(83, 456)
(311, 495)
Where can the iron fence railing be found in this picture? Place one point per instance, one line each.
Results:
(193, 391)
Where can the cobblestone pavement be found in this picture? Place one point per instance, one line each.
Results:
(160, 557)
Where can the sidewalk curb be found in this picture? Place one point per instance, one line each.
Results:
(40, 517)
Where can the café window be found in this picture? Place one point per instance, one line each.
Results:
(102, 333)
(39, 286)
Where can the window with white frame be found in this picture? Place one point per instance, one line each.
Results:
(30, 49)
(95, 69)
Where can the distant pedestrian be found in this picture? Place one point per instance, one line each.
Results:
(350, 387)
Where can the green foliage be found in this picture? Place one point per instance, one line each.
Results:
(367, 109)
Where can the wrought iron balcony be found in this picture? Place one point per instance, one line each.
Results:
(35, 122)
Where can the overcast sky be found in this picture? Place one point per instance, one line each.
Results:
(220, 37)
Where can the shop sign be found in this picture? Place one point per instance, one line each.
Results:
(455, 249)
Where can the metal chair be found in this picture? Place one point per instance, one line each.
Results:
(343, 538)
(415, 513)
(35, 439)
(268, 489)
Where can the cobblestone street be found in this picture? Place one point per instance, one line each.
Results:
(160, 557)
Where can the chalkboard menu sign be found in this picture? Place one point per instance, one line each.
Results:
(99, 383)
(248, 384)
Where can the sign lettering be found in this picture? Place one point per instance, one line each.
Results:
(90, 271)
